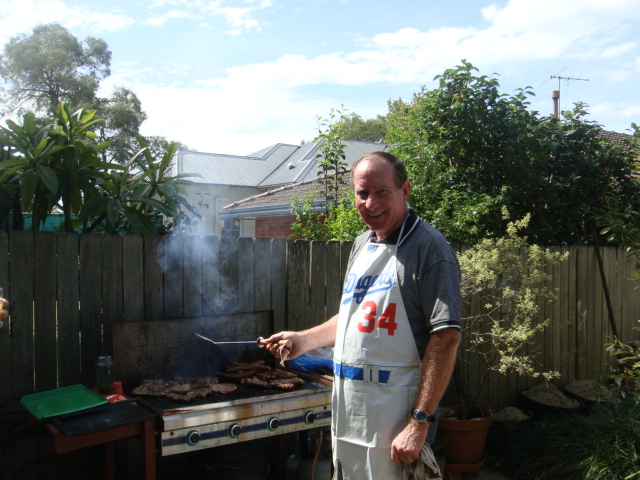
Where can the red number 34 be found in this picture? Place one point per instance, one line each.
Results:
(386, 321)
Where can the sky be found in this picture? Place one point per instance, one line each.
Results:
(236, 76)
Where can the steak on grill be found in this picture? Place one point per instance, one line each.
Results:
(263, 376)
(183, 389)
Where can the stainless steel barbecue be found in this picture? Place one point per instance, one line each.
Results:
(254, 415)
(249, 413)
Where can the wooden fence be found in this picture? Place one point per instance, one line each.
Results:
(67, 290)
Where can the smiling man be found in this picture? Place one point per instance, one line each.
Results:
(397, 331)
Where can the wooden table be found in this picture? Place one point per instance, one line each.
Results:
(64, 443)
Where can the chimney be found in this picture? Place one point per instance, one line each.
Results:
(555, 96)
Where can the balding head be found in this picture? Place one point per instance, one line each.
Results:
(399, 170)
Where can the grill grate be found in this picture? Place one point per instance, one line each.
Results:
(242, 393)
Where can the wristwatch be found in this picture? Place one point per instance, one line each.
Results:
(422, 416)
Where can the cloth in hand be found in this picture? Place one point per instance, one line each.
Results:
(425, 468)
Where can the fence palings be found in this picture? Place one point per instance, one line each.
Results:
(67, 290)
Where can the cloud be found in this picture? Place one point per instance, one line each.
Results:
(238, 19)
(237, 121)
(278, 99)
(160, 20)
(22, 16)
(265, 101)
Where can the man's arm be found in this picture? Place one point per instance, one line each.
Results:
(437, 368)
(322, 335)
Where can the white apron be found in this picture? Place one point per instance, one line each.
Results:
(377, 367)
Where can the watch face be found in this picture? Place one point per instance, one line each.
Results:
(420, 415)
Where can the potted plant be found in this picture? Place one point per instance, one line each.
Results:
(505, 283)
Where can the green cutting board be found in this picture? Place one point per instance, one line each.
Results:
(61, 400)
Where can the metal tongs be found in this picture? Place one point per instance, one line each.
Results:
(260, 342)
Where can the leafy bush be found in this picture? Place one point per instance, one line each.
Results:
(505, 283)
(601, 445)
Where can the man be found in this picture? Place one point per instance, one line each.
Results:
(397, 331)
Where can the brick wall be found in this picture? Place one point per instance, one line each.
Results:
(274, 227)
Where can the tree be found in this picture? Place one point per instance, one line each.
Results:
(123, 116)
(54, 164)
(133, 197)
(26, 175)
(353, 127)
(620, 220)
(472, 151)
(333, 195)
(50, 66)
(331, 157)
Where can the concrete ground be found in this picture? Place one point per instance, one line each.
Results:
(489, 474)
(486, 473)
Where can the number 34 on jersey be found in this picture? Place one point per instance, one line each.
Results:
(386, 321)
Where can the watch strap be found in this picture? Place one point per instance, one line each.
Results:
(422, 416)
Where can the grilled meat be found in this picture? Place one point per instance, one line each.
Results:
(182, 389)
(286, 383)
(263, 376)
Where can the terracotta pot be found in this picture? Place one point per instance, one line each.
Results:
(464, 440)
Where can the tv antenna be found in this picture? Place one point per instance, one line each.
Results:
(556, 94)
(567, 79)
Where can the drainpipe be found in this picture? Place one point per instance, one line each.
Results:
(555, 96)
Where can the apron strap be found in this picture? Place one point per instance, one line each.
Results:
(376, 375)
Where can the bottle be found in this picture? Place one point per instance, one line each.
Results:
(104, 382)
(118, 393)
(117, 388)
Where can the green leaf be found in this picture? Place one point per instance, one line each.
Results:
(48, 177)
(28, 184)
(92, 208)
(113, 211)
(37, 151)
(160, 206)
(14, 162)
(140, 223)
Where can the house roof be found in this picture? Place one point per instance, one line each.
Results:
(232, 170)
(278, 201)
(622, 139)
(271, 167)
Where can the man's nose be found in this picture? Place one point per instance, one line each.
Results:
(372, 202)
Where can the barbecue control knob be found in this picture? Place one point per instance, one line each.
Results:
(309, 416)
(273, 423)
(193, 437)
(235, 430)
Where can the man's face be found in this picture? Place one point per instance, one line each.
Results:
(380, 203)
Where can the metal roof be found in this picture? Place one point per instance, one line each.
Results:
(274, 166)
(231, 170)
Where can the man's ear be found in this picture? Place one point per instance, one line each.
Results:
(406, 189)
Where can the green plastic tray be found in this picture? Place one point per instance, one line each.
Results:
(61, 400)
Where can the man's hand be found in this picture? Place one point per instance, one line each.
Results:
(4, 314)
(298, 345)
(407, 445)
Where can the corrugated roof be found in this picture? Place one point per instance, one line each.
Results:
(232, 170)
(303, 166)
(270, 167)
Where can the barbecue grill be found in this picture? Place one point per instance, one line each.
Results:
(154, 348)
